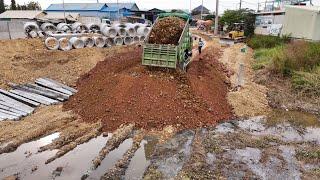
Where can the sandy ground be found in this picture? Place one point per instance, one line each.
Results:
(250, 99)
(25, 60)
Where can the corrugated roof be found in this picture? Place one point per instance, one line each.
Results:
(121, 5)
(60, 15)
(19, 14)
(76, 7)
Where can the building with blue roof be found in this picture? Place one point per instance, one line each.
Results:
(112, 11)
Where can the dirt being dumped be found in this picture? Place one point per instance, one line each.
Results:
(167, 31)
(120, 91)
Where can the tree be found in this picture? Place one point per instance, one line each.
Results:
(2, 6)
(32, 5)
(245, 16)
(209, 17)
(13, 5)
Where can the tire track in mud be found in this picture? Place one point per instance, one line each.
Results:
(196, 167)
(119, 136)
(169, 158)
(88, 135)
(119, 169)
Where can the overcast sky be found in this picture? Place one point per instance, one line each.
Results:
(166, 4)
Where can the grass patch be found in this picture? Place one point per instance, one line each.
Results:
(263, 57)
(309, 155)
(297, 56)
(261, 41)
(307, 83)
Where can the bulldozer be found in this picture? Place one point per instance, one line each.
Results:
(236, 35)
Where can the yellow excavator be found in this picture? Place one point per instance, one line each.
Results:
(236, 35)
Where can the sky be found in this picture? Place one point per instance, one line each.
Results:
(166, 4)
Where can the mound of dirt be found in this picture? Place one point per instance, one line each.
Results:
(120, 91)
(167, 31)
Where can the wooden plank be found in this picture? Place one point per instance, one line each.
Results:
(35, 91)
(16, 103)
(62, 85)
(19, 98)
(10, 113)
(50, 85)
(12, 109)
(61, 95)
(35, 97)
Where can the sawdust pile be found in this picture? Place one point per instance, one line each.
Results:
(167, 31)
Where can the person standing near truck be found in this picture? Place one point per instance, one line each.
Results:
(200, 45)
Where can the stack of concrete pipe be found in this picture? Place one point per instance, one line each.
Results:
(77, 35)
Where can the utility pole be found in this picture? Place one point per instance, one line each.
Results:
(216, 23)
(240, 4)
(118, 11)
(190, 7)
(201, 10)
(64, 12)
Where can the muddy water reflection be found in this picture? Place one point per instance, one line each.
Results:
(26, 157)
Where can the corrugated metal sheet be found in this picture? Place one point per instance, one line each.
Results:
(60, 15)
(77, 7)
(91, 6)
(19, 14)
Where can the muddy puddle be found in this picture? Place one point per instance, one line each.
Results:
(26, 158)
(275, 146)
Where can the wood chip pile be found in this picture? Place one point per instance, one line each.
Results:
(167, 31)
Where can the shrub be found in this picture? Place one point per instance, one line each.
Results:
(307, 83)
(297, 56)
(261, 41)
(263, 57)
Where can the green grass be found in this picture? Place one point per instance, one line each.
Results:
(298, 60)
(262, 41)
(263, 57)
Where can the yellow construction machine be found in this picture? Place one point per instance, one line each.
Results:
(236, 35)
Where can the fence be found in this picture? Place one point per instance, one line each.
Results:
(11, 30)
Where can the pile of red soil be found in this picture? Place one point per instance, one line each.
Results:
(167, 31)
(119, 90)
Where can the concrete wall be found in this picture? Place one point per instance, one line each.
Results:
(15, 28)
(269, 24)
(302, 23)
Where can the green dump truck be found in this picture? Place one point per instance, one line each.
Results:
(167, 55)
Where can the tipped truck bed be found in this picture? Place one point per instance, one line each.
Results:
(169, 56)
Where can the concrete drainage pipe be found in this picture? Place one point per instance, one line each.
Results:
(51, 43)
(99, 42)
(130, 31)
(78, 27)
(65, 44)
(88, 41)
(142, 38)
(121, 31)
(77, 43)
(41, 34)
(48, 27)
(109, 31)
(30, 26)
(118, 41)
(142, 31)
(64, 27)
(136, 39)
(110, 42)
(33, 34)
(128, 40)
(93, 27)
